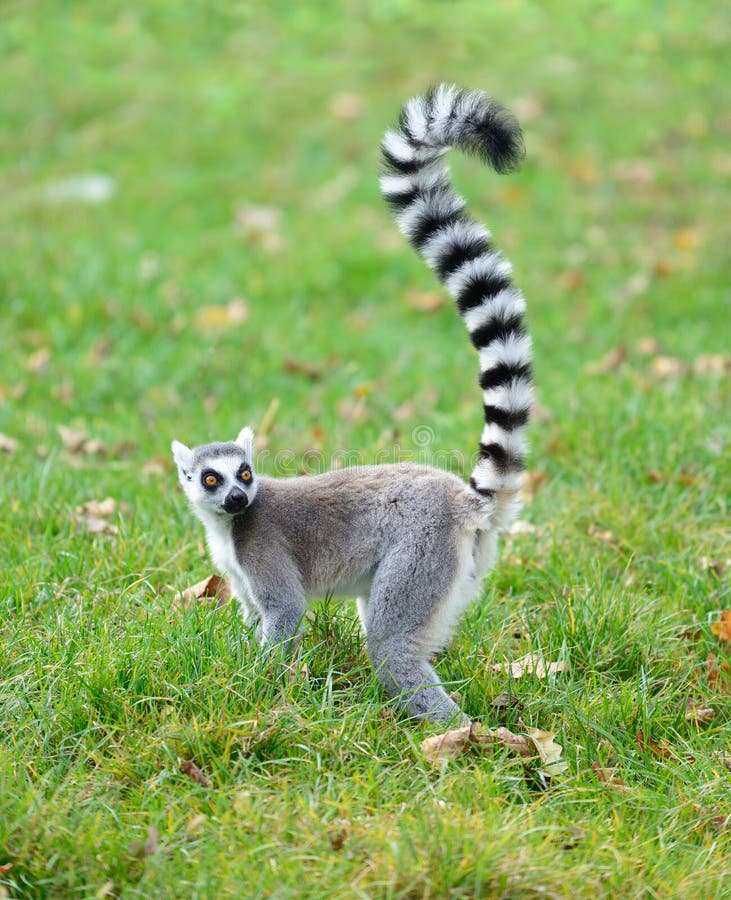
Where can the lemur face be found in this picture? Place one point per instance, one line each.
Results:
(218, 478)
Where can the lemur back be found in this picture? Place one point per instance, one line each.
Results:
(411, 542)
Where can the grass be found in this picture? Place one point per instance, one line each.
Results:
(615, 228)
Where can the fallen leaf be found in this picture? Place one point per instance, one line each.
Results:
(666, 368)
(448, 745)
(5, 868)
(685, 239)
(531, 664)
(7, 444)
(515, 743)
(662, 268)
(142, 850)
(506, 701)
(647, 346)
(571, 279)
(520, 526)
(338, 835)
(610, 362)
(260, 226)
(575, 836)
(712, 364)
(548, 750)
(532, 481)
(527, 107)
(600, 533)
(189, 768)
(583, 169)
(79, 444)
(701, 715)
(606, 777)
(426, 301)
(94, 516)
(195, 823)
(722, 628)
(297, 367)
(105, 890)
(214, 587)
(155, 466)
(346, 106)
(38, 360)
(717, 566)
(657, 748)
(213, 318)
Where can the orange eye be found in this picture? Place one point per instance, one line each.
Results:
(210, 480)
(245, 475)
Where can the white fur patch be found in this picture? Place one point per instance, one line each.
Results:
(490, 264)
(501, 306)
(455, 234)
(518, 394)
(513, 350)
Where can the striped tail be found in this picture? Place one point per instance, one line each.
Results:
(432, 217)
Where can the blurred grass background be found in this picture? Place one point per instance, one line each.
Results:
(238, 266)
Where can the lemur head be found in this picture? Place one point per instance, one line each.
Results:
(218, 478)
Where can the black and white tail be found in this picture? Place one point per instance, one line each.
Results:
(432, 216)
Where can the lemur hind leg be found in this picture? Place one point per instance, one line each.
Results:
(417, 594)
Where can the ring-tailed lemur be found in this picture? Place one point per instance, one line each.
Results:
(411, 542)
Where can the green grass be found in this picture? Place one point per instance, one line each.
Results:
(616, 229)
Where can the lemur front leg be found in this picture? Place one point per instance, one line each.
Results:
(281, 608)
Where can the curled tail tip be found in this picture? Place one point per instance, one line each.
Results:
(448, 116)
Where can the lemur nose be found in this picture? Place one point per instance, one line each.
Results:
(235, 501)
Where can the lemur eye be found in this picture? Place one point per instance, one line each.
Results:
(210, 480)
(245, 475)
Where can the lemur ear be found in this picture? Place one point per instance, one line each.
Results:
(183, 457)
(245, 440)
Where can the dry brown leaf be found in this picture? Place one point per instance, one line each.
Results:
(722, 628)
(5, 868)
(701, 715)
(583, 169)
(213, 318)
(189, 768)
(685, 239)
(7, 444)
(532, 481)
(527, 107)
(426, 301)
(712, 364)
(531, 664)
(548, 750)
(156, 466)
(571, 280)
(142, 850)
(338, 834)
(520, 526)
(78, 443)
(260, 226)
(506, 701)
(610, 362)
(298, 367)
(717, 566)
(448, 745)
(94, 516)
(660, 749)
(212, 588)
(346, 106)
(600, 533)
(38, 360)
(665, 368)
(647, 346)
(607, 777)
